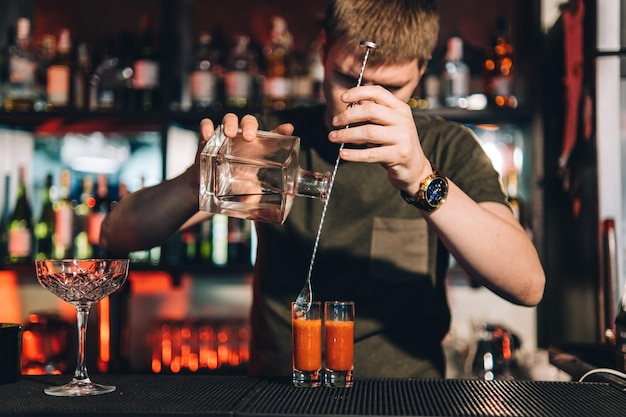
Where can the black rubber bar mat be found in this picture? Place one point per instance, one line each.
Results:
(242, 396)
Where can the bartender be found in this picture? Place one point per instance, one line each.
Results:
(410, 191)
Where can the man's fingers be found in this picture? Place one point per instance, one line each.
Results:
(284, 129)
(231, 124)
(249, 125)
(206, 129)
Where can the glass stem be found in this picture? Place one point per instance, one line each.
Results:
(82, 315)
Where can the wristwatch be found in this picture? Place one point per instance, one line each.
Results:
(432, 192)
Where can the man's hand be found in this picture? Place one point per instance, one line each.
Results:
(385, 128)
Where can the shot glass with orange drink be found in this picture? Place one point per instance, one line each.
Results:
(306, 347)
(339, 343)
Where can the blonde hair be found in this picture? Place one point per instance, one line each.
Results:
(403, 29)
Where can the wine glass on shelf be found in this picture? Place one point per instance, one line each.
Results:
(81, 282)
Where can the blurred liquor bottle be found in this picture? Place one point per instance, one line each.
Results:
(45, 226)
(182, 248)
(64, 218)
(239, 242)
(102, 205)
(204, 243)
(235, 239)
(278, 55)
(301, 81)
(4, 64)
(4, 221)
(22, 89)
(512, 190)
(242, 71)
(45, 55)
(59, 74)
(127, 54)
(307, 75)
(106, 86)
(498, 68)
(316, 71)
(122, 192)
(431, 89)
(205, 74)
(80, 77)
(82, 248)
(189, 248)
(146, 81)
(21, 224)
(219, 234)
(150, 256)
(455, 77)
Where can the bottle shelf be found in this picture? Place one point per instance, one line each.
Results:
(78, 122)
(177, 25)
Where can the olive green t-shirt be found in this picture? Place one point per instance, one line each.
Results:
(374, 249)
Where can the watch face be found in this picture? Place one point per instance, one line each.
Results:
(436, 191)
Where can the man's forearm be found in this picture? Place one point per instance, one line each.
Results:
(149, 216)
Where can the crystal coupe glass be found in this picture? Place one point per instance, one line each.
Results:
(81, 282)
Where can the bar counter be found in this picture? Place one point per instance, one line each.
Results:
(235, 395)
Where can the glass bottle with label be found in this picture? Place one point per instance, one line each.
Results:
(45, 56)
(82, 248)
(106, 81)
(59, 74)
(21, 224)
(278, 56)
(102, 205)
(204, 76)
(80, 78)
(146, 68)
(301, 84)
(22, 89)
(499, 68)
(4, 64)
(64, 219)
(241, 73)
(455, 76)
